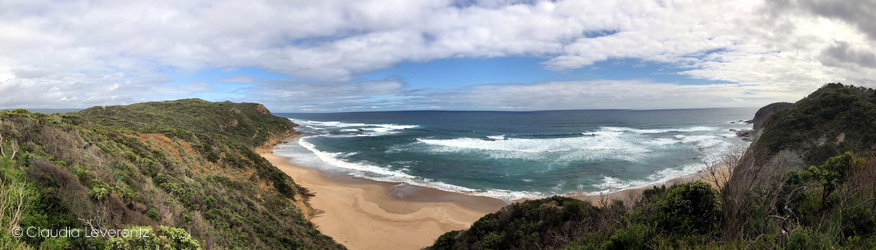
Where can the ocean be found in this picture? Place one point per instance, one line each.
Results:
(514, 155)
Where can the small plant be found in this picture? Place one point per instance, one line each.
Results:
(152, 213)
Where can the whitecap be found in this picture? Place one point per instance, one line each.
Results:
(602, 145)
(369, 171)
(612, 184)
(496, 137)
(662, 142)
(348, 129)
(659, 131)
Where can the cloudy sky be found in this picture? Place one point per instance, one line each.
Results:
(327, 55)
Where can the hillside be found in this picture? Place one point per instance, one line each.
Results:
(806, 182)
(187, 170)
(830, 121)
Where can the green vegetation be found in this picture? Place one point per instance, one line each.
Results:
(829, 205)
(545, 223)
(681, 216)
(188, 169)
(832, 120)
(248, 124)
(143, 238)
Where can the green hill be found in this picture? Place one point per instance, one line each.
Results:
(808, 181)
(187, 170)
(830, 121)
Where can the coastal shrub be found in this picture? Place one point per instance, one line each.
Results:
(635, 236)
(689, 208)
(805, 238)
(858, 221)
(98, 193)
(176, 238)
(56, 243)
(140, 238)
(152, 213)
(833, 172)
(546, 223)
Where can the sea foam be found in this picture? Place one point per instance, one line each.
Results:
(372, 172)
(606, 143)
(345, 129)
(554, 148)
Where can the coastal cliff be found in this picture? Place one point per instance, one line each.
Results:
(185, 170)
(805, 182)
(766, 112)
(832, 120)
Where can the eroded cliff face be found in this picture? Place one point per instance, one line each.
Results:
(765, 113)
(832, 120)
(756, 164)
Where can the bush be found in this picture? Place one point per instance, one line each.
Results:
(690, 208)
(807, 239)
(546, 223)
(176, 238)
(833, 172)
(140, 238)
(98, 193)
(152, 213)
(635, 236)
(143, 238)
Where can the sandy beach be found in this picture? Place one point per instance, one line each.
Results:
(361, 214)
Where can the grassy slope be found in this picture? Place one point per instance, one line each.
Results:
(188, 164)
(830, 205)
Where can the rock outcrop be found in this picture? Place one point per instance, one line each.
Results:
(764, 113)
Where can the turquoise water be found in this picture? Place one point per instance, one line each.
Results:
(512, 155)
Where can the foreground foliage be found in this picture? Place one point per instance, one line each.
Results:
(826, 206)
(187, 169)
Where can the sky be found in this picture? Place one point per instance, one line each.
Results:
(369, 55)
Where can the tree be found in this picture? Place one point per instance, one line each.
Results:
(833, 172)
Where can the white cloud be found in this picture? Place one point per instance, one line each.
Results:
(81, 53)
(597, 94)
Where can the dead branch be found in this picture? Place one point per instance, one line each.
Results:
(1, 146)
(87, 223)
(14, 146)
(4, 196)
(783, 222)
(20, 207)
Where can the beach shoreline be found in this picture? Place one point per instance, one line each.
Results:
(716, 177)
(362, 213)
